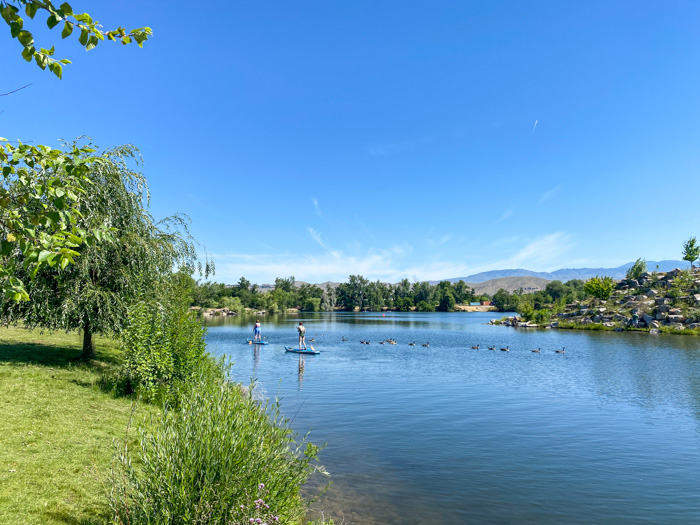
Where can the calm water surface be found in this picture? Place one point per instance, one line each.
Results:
(606, 433)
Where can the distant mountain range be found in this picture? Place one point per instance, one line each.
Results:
(567, 274)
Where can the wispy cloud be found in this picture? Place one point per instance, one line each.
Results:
(389, 148)
(316, 236)
(550, 193)
(534, 127)
(318, 210)
(506, 214)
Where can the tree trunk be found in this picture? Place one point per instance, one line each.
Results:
(88, 347)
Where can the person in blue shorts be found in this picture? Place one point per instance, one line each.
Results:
(256, 332)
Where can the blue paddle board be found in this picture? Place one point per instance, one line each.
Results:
(297, 351)
(250, 341)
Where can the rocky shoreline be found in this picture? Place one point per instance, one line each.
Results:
(655, 302)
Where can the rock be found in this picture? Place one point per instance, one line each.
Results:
(654, 331)
(632, 283)
(647, 318)
(586, 321)
(645, 275)
(676, 318)
(675, 311)
(661, 316)
(663, 308)
(620, 318)
(652, 293)
(618, 329)
(554, 324)
(601, 310)
(694, 326)
(654, 324)
(678, 327)
(609, 324)
(597, 318)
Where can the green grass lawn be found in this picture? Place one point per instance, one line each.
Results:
(56, 428)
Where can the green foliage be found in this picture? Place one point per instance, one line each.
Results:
(95, 293)
(691, 251)
(504, 301)
(447, 302)
(694, 315)
(423, 306)
(600, 287)
(88, 31)
(313, 304)
(637, 269)
(163, 342)
(221, 458)
(40, 216)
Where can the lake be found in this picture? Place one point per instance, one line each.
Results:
(605, 433)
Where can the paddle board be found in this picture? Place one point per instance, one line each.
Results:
(297, 351)
(250, 341)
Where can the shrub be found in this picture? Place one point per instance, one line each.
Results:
(423, 306)
(221, 457)
(163, 343)
(637, 269)
(600, 287)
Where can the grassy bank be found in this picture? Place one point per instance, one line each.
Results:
(57, 428)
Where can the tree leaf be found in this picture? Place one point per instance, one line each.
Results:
(84, 35)
(31, 9)
(67, 30)
(52, 21)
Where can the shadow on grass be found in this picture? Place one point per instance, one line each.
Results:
(69, 519)
(22, 346)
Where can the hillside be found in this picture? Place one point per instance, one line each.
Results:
(510, 284)
(566, 274)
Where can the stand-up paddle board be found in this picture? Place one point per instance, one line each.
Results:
(251, 342)
(297, 351)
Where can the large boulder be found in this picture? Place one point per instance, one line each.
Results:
(663, 308)
(647, 319)
(676, 318)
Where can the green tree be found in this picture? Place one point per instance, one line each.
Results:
(95, 293)
(600, 287)
(637, 269)
(447, 303)
(42, 187)
(556, 289)
(691, 251)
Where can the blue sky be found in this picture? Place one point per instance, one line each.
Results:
(393, 139)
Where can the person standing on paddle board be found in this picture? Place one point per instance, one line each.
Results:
(302, 335)
(256, 331)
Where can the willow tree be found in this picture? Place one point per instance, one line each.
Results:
(41, 187)
(94, 294)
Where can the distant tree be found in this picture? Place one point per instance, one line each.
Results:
(691, 251)
(505, 302)
(447, 303)
(556, 289)
(423, 306)
(637, 269)
(600, 287)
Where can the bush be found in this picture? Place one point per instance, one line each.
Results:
(637, 269)
(423, 306)
(600, 287)
(221, 458)
(163, 343)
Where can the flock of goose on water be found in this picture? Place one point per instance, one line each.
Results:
(391, 341)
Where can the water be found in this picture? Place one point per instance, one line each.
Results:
(605, 433)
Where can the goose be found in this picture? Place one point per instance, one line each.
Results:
(506, 349)
(412, 344)
(475, 347)
(343, 338)
(536, 351)
(426, 344)
(492, 347)
(313, 339)
(381, 342)
(560, 351)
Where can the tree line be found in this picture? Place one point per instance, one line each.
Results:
(358, 293)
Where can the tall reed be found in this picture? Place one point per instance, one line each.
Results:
(219, 457)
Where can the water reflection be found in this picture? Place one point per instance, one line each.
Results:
(604, 433)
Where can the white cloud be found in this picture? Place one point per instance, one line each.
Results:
(550, 193)
(506, 214)
(316, 236)
(318, 210)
